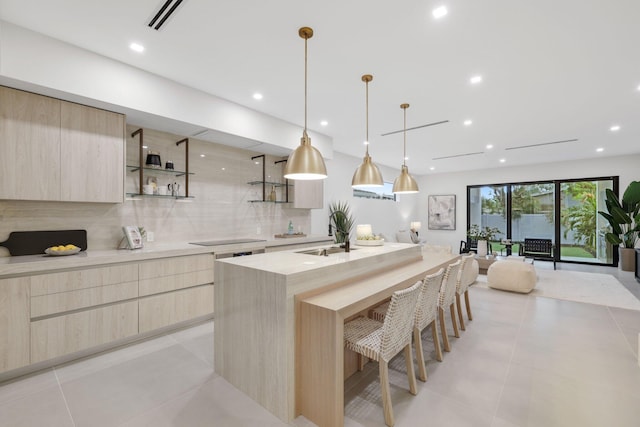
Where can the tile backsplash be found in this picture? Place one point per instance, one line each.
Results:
(219, 208)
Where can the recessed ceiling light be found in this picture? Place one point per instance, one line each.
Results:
(600, 149)
(324, 123)
(136, 47)
(432, 168)
(257, 96)
(224, 169)
(475, 79)
(366, 143)
(145, 147)
(257, 163)
(503, 160)
(489, 146)
(614, 128)
(467, 122)
(638, 88)
(202, 155)
(406, 158)
(439, 12)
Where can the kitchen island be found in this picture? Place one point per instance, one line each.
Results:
(264, 344)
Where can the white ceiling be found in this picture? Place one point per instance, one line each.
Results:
(552, 70)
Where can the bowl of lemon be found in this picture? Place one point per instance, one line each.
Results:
(62, 250)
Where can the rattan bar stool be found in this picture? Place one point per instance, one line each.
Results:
(426, 315)
(381, 341)
(465, 278)
(447, 299)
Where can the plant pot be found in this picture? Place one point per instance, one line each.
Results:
(482, 248)
(627, 259)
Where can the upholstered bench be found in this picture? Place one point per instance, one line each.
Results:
(512, 276)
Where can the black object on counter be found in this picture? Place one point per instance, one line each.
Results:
(35, 242)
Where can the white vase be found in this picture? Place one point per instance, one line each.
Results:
(482, 248)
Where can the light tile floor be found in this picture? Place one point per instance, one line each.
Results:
(523, 361)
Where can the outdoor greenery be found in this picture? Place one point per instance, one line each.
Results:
(581, 218)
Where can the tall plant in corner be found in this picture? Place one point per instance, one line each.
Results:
(624, 219)
(341, 219)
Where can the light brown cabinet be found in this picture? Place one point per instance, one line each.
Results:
(45, 316)
(308, 194)
(92, 154)
(29, 146)
(54, 150)
(14, 323)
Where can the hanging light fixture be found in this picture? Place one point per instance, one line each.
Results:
(405, 183)
(367, 174)
(306, 161)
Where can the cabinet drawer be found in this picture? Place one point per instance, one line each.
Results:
(178, 281)
(177, 265)
(44, 305)
(173, 307)
(82, 279)
(66, 334)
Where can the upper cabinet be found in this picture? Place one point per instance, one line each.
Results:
(29, 146)
(92, 154)
(59, 151)
(308, 194)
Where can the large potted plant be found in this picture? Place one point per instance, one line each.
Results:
(342, 221)
(624, 219)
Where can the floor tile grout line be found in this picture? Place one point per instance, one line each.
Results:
(631, 349)
(64, 398)
(513, 351)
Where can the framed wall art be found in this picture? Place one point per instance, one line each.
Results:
(442, 212)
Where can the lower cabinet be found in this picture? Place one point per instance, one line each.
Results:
(73, 332)
(14, 323)
(46, 316)
(166, 309)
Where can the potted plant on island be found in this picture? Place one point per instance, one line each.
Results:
(624, 219)
(482, 236)
(342, 221)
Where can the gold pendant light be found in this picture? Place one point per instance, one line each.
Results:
(306, 161)
(405, 184)
(367, 174)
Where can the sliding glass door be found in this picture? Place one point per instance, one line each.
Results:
(582, 229)
(565, 211)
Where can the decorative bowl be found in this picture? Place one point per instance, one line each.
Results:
(370, 242)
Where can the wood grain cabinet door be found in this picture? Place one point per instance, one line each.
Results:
(92, 154)
(14, 323)
(29, 146)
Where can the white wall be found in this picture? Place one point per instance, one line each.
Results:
(385, 216)
(626, 167)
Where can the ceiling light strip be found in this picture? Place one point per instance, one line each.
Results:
(458, 155)
(544, 143)
(166, 16)
(416, 127)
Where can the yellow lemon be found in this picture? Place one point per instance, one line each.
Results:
(70, 246)
(53, 248)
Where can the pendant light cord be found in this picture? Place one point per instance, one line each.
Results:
(367, 116)
(404, 157)
(305, 85)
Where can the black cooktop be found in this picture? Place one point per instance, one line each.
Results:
(226, 242)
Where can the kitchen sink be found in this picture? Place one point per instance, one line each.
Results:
(324, 251)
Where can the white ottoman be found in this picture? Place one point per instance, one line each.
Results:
(512, 276)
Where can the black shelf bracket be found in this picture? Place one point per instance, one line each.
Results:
(286, 181)
(186, 167)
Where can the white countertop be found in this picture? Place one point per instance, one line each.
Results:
(32, 264)
(291, 262)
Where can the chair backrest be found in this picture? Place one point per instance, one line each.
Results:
(427, 307)
(465, 273)
(538, 245)
(398, 322)
(448, 287)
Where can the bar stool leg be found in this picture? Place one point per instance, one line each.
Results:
(453, 320)
(459, 307)
(443, 329)
(466, 302)
(386, 393)
(436, 341)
